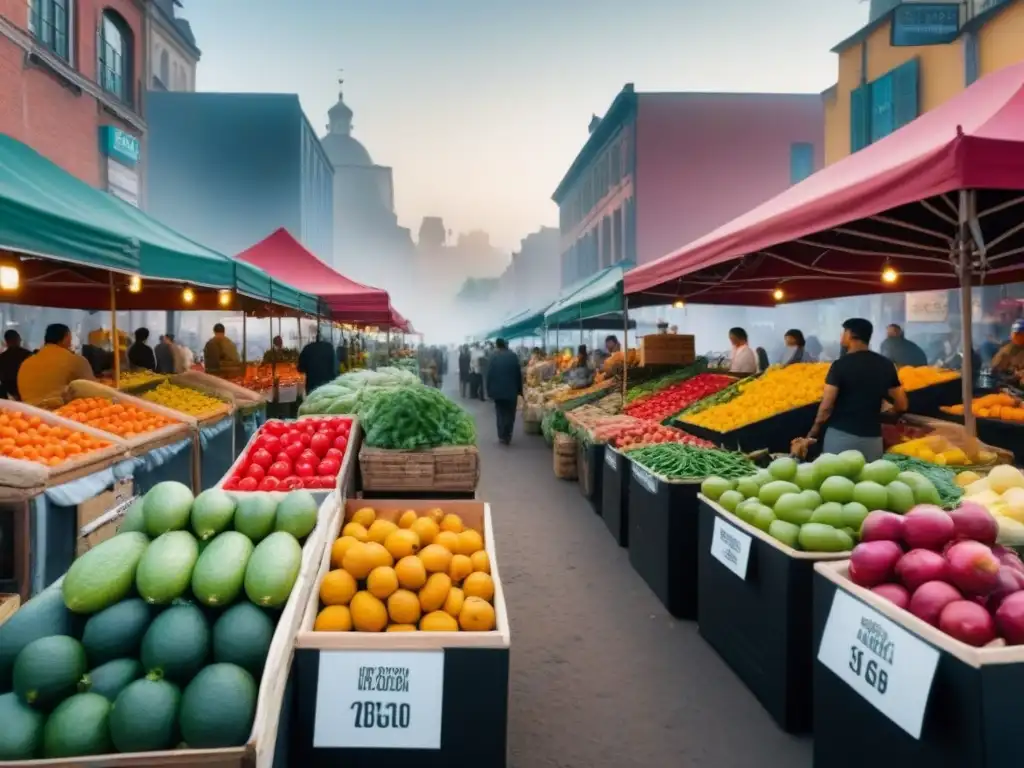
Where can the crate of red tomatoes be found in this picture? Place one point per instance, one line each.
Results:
(651, 432)
(311, 453)
(674, 398)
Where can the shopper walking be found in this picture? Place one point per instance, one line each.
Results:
(505, 386)
(319, 361)
(476, 386)
(465, 371)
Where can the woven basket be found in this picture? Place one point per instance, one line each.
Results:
(449, 468)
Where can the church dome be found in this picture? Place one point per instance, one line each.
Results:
(341, 148)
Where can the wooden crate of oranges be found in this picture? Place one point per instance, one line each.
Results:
(403, 574)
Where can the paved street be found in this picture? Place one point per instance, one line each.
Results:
(602, 676)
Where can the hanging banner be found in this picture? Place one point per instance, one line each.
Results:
(927, 307)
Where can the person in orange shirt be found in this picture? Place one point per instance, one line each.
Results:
(44, 376)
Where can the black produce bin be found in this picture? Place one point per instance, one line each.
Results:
(1007, 435)
(589, 470)
(663, 538)
(971, 714)
(927, 400)
(759, 623)
(774, 433)
(615, 494)
(474, 716)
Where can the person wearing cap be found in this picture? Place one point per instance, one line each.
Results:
(1010, 358)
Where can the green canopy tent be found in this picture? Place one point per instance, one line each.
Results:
(600, 294)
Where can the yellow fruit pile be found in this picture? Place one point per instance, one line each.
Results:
(428, 573)
(938, 449)
(182, 399)
(912, 377)
(130, 379)
(777, 391)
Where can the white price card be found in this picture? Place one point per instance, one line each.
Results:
(609, 458)
(645, 478)
(731, 547)
(880, 660)
(379, 699)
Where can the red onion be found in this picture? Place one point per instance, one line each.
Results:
(894, 593)
(968, 622)
(972, 521)
(1010, 618)
(882, 526)
(872, 562)
(927, 527)
(929, 599)
(973, 569)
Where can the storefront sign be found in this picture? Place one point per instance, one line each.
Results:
(379, 700)
(880, 660)
(120, 145)
(610, 459)
(927, 307)
(925, 24)
(645, 478)
(731, 547)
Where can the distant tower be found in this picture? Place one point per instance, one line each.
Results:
(432, 232)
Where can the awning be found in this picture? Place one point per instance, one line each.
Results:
(601, 294)
(891, 207)
(525, 323)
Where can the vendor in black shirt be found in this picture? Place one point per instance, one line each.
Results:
(856, 388)
(10, 363)
(140, 354)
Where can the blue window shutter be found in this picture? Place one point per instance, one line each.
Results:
(801, 161)
(905, 97)
(860, 118)
(882, 107)
(970, 58)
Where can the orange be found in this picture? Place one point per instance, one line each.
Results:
(381, 582)
(404, 607)
(435, 558)
(481, 561)
(460, 567)
(435, 592)
(368, 613)
(333, 618)
(438, 621)
(451, 523)
(401, 543)
(470, 541)
(479, 584)
(339, 548)
(477, 615)
(337, 588)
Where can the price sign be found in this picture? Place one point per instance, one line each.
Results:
(880, 660)
(731, 547)
(379, 699)
(645, 478)
(609, 459)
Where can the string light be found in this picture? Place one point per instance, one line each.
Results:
(778, 294)
(224, 298)
(890, 275)
(10, 278)
(678, 304)
(188, 295)
(134, 284)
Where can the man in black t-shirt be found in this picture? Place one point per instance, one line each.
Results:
(856, 389)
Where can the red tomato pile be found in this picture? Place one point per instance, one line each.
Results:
(651, 432)
(287, 455)
(673, 399)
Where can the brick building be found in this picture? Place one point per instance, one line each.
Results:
(70, 86)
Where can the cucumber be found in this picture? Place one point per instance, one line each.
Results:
(116, 632)
(218, 576)
(176, 644)
(165, 569)
(78, 727)
(212, 513)
(144, 716)
(296, 514)
(21, 736)
(255, 515)
(48, 670)
(167, 507)
(272, 570)
(218, 707)
(108, 680)
(42, 616)
(242, 636)
(105, 574)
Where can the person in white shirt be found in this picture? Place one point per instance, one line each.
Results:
(476, 381)
(743, 358)
(183, 357)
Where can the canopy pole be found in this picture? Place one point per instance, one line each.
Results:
(245, 361)
(298, 323)
(966, 311)
(113, 333)
(273, 356)
(625, 345)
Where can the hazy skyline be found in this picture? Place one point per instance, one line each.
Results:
(481, 107)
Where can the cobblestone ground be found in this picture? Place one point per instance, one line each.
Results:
(602, 675)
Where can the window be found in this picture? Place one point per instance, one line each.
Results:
(115, 54)
(801, 161)
(165, 68)
(49, 22)
(616, 154)
(970, 58)
(884, 105)
(882, 117)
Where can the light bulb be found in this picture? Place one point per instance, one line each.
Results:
(778, 294)
(890, 275)
(678, 304)
(10, 278)
(188, 295)
(134, 284)
(224, 298)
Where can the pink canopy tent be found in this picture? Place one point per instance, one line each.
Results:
(908, 203)
(284, 257)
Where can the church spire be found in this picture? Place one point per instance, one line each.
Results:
(340, 116)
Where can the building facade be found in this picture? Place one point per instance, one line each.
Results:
(71, 86)
(535, 270)
(661, 169)
(172, 52)
(227, 169)
(881, 86)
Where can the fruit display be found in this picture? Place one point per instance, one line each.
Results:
(409, 418)
(669, 401)
(946, 569)
(155, 639)
(611, 403)
(352, 392)
(676, 461)
(287, 455)
(645, 433)
(130, 379)
(650, 386)
(776, 391)
(894, 434)
(919, 377)
(615, 360)
(1001, 492)
(999, 405)
(943, 478)
(820, 506)
(280, 356)
(183, 399)
(122, 419)
(28, 438)
(565, 395)
(942, 450)
(427, 572)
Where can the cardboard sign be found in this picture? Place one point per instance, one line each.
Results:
(731, 547)
(610, 460)
(645, 478)
(379, 699)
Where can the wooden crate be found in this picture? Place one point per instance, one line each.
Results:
(9, 604)
(667, 349)
(448, 468)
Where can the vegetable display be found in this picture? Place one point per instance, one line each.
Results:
(554, 421)
(426, 572)
(288, 455)
(1001, 492)
(408, 418)
(677, 397)
(947, 570)
(999, 405)
(943, 479)
(676, 461)
(157, 637)
(643, 433)
(354, 391)
(776, 391)
(651, 386)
